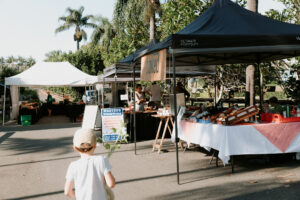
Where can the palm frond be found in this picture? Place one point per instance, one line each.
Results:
(63, 28)
(81, 9)
(62, 19)
(69, 10)
(89, 25)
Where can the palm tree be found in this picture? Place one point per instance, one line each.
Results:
(75, 18)
(250, 71)
(103, 33)
(153, 7)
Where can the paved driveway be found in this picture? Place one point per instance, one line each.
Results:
(34, 160)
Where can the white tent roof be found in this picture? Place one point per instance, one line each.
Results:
(52, 74)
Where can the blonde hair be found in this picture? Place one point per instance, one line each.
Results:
(84, 147)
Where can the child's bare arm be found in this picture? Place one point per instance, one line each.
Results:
(110, 180)
(69, 189)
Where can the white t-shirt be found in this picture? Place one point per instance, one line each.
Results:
(88, 176)
(155, 91)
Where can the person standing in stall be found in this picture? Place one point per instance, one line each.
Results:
(180, 89)
(49, 103)
(139, 98)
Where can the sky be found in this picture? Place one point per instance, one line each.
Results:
(28, 26)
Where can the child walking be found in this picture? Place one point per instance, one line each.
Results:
(90, 172)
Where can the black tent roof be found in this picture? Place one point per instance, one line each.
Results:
(228, 33)
(124, 68)
(190, 71)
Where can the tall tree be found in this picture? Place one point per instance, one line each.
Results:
(75, 19)
(153, 7)
(250, 71)
(103, 33)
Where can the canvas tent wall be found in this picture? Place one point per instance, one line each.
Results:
(57, 74)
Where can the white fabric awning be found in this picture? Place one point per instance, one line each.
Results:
(52, 74)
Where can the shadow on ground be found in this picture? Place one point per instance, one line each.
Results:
(20, 146)
(19, 128)
(266, 190)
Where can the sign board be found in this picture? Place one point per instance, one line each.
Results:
(153, 66)
(91, 113)
(112, 118)
(124, 97)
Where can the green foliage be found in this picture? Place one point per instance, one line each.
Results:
(177, 14)
(103, 33)
(11, 66)
(87, 58)
(131, 31)
(286, 72)
(111, 147)
(278, 95)
(29, 95)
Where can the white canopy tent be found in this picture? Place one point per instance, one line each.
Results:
(58, 74)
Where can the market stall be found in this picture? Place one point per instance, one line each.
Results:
(54, 74)
(123, 71)
(248, 139)
(226, 34)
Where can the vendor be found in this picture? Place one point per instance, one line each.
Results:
(49, 103)
(180, 89)
(275, 108)
(139, 98)
(155, 94)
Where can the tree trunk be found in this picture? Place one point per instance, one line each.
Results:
(250, 71)
(152, 27)
(252, 5)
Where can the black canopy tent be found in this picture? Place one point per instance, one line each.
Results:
(226, 34)
(187, 71)
(129, 68)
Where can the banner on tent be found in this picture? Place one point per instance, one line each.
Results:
(153, 66)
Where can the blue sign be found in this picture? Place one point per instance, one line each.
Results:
(112, 120)
(110, 138)
(112, 111)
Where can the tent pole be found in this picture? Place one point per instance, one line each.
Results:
(103, 92)
(3, 109)
(116, 91)
(215, 87)
(175, 115)
(134, 117)
(261, 96)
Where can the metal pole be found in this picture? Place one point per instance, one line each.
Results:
(116, 91)
(103, 92)
(134, 117)
(215, 86)
(3, 110)
(261, 96)
(175, 115)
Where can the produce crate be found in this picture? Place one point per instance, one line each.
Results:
(277, 118)
(26, 120)
(239, 115)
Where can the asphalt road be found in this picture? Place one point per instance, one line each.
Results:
(34, 160)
